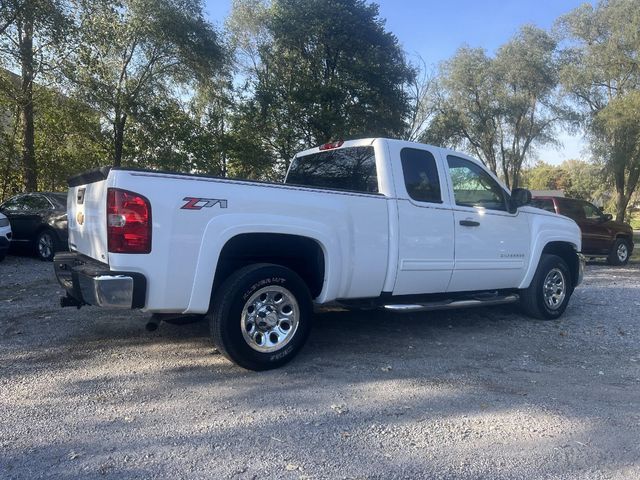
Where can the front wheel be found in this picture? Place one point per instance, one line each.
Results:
(619, 254)
(46, 245)
(261, 316)
(548, 295)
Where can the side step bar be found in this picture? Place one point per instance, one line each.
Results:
(451, 304)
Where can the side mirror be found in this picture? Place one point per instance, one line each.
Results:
(607, 217)
(520, 197)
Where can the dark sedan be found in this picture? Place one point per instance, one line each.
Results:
(39, 221)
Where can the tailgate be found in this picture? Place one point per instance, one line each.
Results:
(87, 214)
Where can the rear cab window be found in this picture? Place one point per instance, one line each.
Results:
(351, 169)
(420, 175)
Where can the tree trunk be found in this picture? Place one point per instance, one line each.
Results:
(118, 137)
(621, 205)
(30, 170)
(622, 200)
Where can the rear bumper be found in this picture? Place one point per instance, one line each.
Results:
(89, 282)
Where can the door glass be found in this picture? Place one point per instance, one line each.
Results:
(572, 209)
(591, 211)
(420, 175)
(473, 187)
(36, 202)
(14, 205)
(544, 204)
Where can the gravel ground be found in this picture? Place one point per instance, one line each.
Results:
(483, 393)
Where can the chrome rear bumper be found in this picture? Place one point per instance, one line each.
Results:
(88, 282)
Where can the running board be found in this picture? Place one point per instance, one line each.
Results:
(451, 304)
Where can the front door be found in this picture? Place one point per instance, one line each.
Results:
(492, 245)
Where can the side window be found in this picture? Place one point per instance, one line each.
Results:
(572, 209)
(544, 204)
(344, 169)
(591, 211)
(473, 187)
(420, 175)
(14, 204)
(36, 202)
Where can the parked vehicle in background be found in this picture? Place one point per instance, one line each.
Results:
(5, 235)
(38, 221)
(372, 223)
(601, 235)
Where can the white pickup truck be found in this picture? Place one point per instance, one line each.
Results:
(373, 223)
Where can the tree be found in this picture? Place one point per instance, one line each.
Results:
(600, 72)
(134, 51)
(32, 33)
(501, 107)
(578, 179)
(324, 70)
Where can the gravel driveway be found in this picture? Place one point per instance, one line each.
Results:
(482, 393)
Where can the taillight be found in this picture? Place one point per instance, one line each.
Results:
(128, 222)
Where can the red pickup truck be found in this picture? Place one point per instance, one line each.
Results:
(601, 235)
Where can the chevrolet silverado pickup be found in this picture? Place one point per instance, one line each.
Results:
(372, 223)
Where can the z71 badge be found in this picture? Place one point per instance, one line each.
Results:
(200, 203)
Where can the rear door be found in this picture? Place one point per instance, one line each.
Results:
(425, 221)
(491, 244)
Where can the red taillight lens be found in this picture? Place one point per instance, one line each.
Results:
(128, 222)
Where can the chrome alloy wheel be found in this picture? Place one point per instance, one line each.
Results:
(622, 252)
(45, 245)
(554, 288)
(270, 319)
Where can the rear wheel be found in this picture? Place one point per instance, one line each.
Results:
(619, 254)
(261, 316)
(46, 242)
(548, 295)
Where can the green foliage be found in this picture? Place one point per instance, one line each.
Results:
(133, 52)
(323, 70)
(500, 107)
(578, 179)
(68, 140)
(600, 70)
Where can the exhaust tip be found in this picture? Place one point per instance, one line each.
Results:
(151, 326)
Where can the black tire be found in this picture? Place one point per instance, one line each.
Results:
(533, 299)
(619, 254)
(226, 321)
(3, 254)
(46, 245)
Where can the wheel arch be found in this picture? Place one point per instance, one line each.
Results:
(218, 234)
(563, 248)
(301, 254)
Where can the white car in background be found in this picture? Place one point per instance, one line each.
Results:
(5, 235)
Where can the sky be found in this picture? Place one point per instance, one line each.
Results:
(433, 30)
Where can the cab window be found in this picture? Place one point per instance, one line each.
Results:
(420, 175)
(474, 187)
(591, 211)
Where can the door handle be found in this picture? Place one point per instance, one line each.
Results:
(469, 223)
